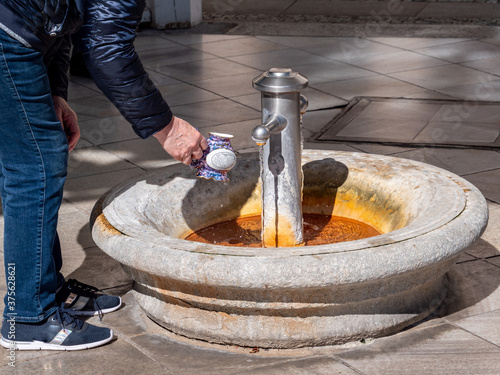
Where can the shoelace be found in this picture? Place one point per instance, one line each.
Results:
(87, 291)
(66, 318)
(84, 289)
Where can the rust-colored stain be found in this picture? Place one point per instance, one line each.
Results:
(384, 214)
(225, 315)
(103, 226)
(318, 230)
(279, 233)
(462, 184)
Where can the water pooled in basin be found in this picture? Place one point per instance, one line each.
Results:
(318, 230)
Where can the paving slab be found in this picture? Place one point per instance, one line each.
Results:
(489, 65)
(394, 62)
(417, 121)
(153, 59)
(238, 85)
(84, 192)
(459, 161)
(144, 153)
(160, 79)
(215, 112)
(153, 42)
(235, 47)
(494, 260)
(187, 38)
(116, 358)
(83, 81)
(331, 146)
(200, 70)
(78, 91)
(487, 89)
(79, 237)
(442, 349)
(95, 105)
(474, 290)
(489, 244)
(184, 93)
(349, 49)
(430, 94)
(186, 359)
(315, 365)
(287, 57)
(97, 268)
(103, 130)
(461, 51)
(89, 161)
(413, 44)
(486, 326)
(488, 183)
(314, 121)
(444, 76)
(375, 148)
(250, 100)
(300, 41)
(331, 71)
(380, 85)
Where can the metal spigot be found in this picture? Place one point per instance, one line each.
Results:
(261, 133)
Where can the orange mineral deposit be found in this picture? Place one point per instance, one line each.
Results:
(318, 230)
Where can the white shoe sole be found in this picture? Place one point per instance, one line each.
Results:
(93, 313)
(38, 345)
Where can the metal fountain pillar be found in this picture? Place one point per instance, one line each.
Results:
(280, 138)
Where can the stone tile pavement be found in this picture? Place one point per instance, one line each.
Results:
(207, 80)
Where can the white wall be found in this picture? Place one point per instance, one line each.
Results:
(172, 14)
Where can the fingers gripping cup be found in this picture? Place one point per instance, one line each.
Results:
(217, 159)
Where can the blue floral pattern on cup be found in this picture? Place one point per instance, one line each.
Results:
(215, 165)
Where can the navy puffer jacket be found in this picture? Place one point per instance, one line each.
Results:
(106, 36)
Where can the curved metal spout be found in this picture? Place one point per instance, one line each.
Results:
(275, 124)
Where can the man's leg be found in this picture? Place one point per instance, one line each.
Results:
(33, 160)
(33, 157)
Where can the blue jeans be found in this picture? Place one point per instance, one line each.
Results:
(33, 160)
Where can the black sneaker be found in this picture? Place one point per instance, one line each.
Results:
(84, 299)
(60, 331)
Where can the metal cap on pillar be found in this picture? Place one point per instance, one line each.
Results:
(280, 80)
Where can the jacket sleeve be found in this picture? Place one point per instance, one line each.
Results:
(107, 36)
(57, 62)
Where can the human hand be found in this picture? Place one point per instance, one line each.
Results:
(68, 120)
(182, 141)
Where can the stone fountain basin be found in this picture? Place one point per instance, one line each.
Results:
(297, 296)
